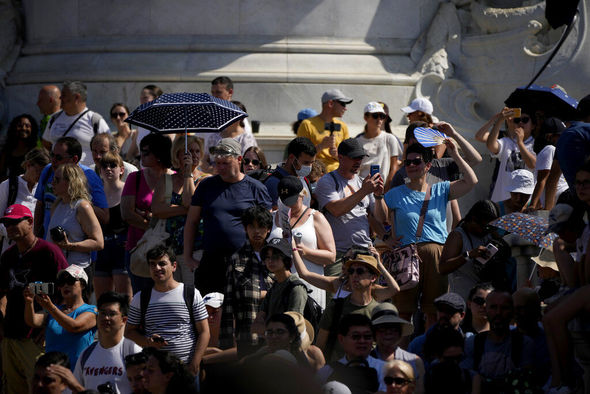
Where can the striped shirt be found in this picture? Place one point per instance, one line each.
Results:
(167, 316)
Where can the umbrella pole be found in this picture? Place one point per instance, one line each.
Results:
(185, 140)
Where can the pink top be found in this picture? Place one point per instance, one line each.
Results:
(143, 202)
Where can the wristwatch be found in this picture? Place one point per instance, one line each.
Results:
(378, 196)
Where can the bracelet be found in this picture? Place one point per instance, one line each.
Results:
(378, 197)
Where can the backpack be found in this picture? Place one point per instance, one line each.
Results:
(144, 300)
(312, 311)
(86, 354)
(357, 375)
(12, 189)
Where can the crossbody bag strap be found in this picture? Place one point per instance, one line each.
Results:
(299, 218)
(423, 213)
(73, 123)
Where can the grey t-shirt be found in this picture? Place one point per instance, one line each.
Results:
(352, 228)
(274, 302)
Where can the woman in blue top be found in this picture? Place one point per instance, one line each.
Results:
(70, 327)
(404, 203)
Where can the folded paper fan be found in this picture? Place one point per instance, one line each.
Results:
(429, 137)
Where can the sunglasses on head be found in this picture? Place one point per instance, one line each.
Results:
(255, 162)
(389, 380)
(522, 119)
(415, 162)
(118, 115)
(66, 280)
(378, 115)
(359, 271)
(478, 300)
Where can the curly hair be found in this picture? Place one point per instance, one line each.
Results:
(77, 186)
(12, 135)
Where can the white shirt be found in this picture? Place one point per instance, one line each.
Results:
(23, 196)
(107, 365)
(82, 130)
(380, 150)
(510, 160)
(544, 162)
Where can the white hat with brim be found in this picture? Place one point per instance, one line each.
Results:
(546, 259)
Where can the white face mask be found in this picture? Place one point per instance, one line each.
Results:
(303, 171)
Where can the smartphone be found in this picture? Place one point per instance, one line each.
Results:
(491, 251)
(516, 112)
(375, 169)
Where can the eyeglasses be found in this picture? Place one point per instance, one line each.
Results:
(12, 222)
(359, 271)
(582, 184)
(358, 337)
(389, 380)
(278, 332)
(478, 300)
(342, 103)
(109, 314)
(58, 157)
(255, 162)
(415, 162)
(118, 115)
(378, 115)
(109, 165)
(523, 119)
(66, 280)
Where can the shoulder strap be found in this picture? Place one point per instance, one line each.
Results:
(336, 183)
(86, 354)
(96, 117)
(423, 213)
(12, 189)
(53, 118)
(189, 298)
(144, 301)
(479, 342)
(73, 123)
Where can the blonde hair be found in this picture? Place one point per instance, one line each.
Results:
(178, 144)
(402, 366)
(77, 186)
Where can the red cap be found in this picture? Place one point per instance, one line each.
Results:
(17, 211)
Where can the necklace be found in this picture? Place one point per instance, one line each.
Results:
(29, 248)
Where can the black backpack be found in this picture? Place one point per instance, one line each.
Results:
(357, 375)
(12, 189)
(312, 311)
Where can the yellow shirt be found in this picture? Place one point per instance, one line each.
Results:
(313, 128)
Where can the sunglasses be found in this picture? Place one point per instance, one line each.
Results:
(389, 380)
(66, 280)
(12, 222)
(58, 157)
(278, 332)
(255, 162)
(342, 103)
(359, 271)
(478, 300)
(523, 119)
(415, 162)
(378, 116)
(109, 165)
(118, 115)
(358, 337)
(584, 183)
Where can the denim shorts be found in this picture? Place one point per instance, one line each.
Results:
(111, 260)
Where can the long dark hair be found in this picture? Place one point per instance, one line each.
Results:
(12, 137)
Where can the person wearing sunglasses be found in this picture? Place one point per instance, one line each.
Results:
(515, 151)
(70, 327)
(125, 135)
(110, 273)
(100, 144)
(476, 320)
(382, 148)
(399, 377)
(326, 141)
(30, 259)
(465, 244)
(172, 198)
(254, 160)
(405, 204)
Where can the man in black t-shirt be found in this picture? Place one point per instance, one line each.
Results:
(30, 259)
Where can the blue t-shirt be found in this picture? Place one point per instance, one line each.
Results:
(222, 206)
(45, 193)
(407, 204)
(572, 149)
(59, 340)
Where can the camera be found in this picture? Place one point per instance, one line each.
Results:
(41, 288)
(106, 388)
(58, 233)
(332, 127)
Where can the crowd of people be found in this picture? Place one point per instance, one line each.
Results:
(137, 262)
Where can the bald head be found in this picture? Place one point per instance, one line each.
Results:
(49, 99)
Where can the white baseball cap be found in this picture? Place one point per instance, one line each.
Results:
(521, 181)
(373, 108)
(419, 104)
(214, 300)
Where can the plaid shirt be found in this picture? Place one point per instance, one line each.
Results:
(242, 297)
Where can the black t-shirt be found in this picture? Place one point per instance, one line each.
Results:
(40, 264)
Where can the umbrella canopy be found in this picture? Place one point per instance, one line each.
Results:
(553, 101)
(186, 112)
(532, 228)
